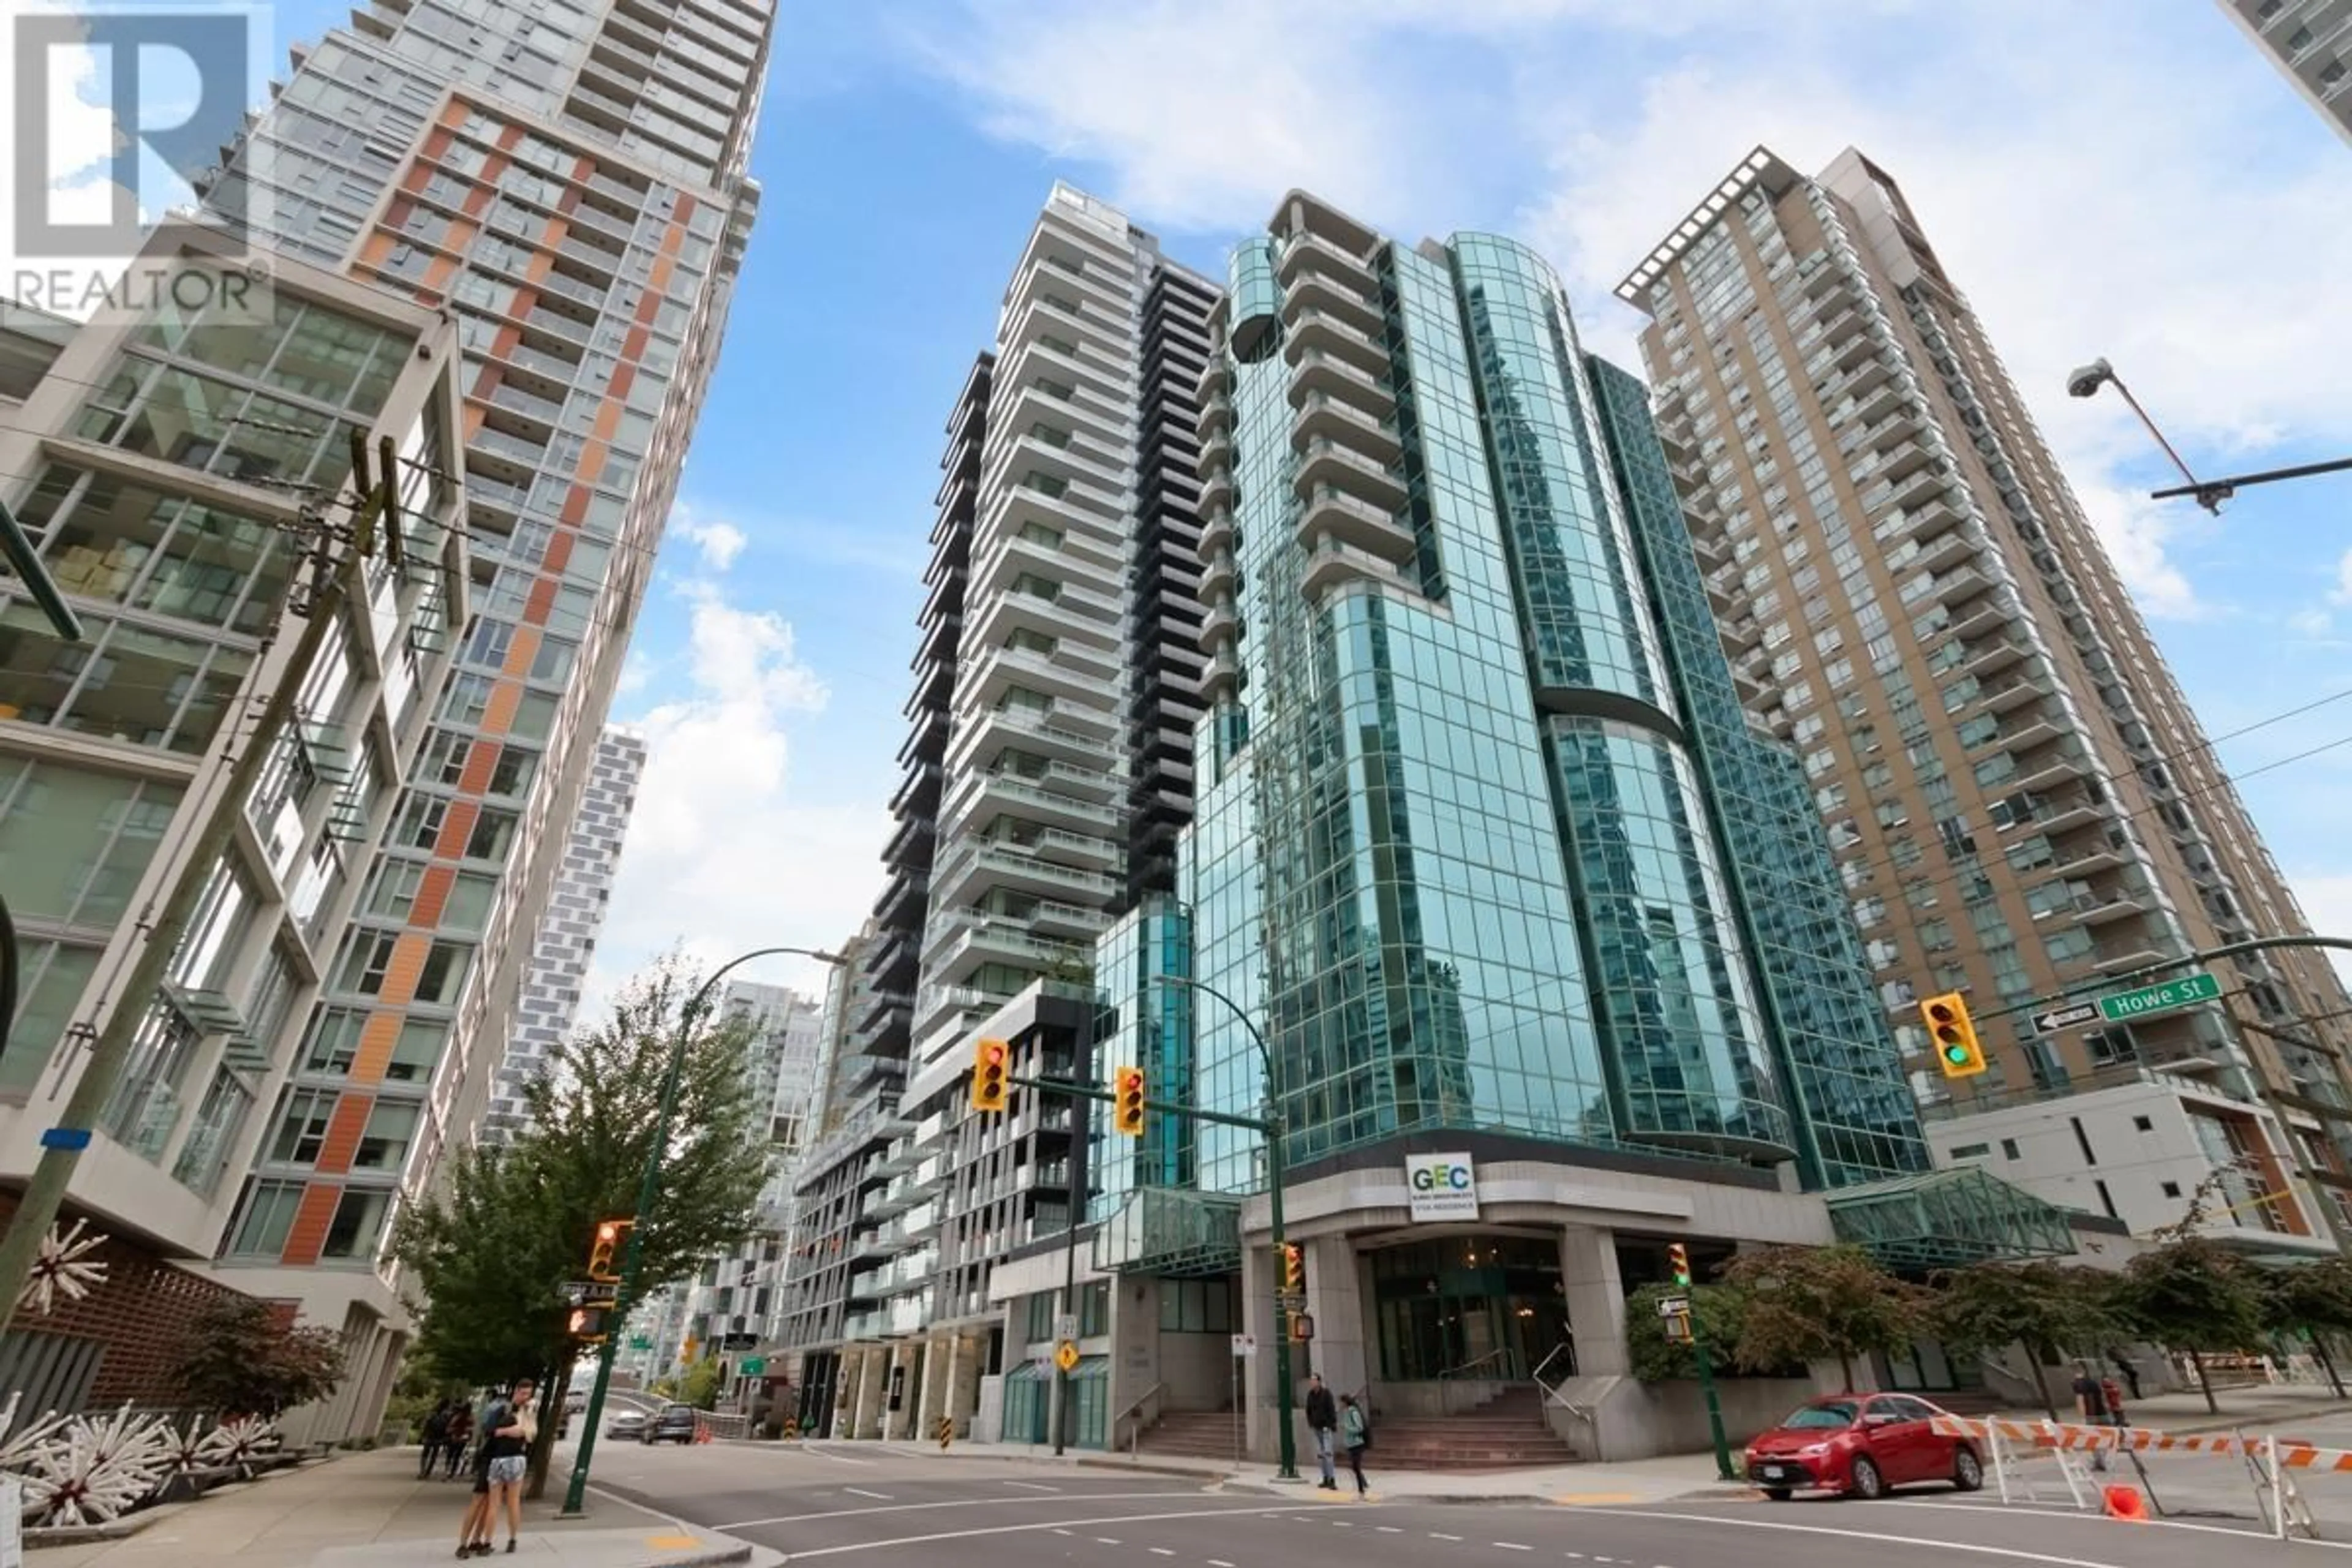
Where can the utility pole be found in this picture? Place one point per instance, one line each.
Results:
(336, 579)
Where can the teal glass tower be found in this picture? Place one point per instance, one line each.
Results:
(1482, 838)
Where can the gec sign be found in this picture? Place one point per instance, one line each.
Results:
(1441, 1186)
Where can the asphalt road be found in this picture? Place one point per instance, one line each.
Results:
(849, 1509)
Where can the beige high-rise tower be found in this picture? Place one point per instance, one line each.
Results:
(2021, 800)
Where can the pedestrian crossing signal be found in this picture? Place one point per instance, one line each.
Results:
(992, 1061)
(1948, 1025)
(1127, 1102)
(586, 1325)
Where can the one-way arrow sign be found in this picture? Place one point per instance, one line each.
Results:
(2059, 1018)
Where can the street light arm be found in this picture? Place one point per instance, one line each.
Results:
(2210, 493)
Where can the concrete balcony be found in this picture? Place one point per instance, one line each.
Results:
(1957, 587)
(1217, 492)
(1994, 655)
(2106, 907)
(1216, 532)
(1331, 563)
(1057, 920)
(1060, 674)
(1988, 616)
(1314, 370)
(1916, 486)
(2100, 857)
(2050, 772)
(1321, 331)
(1216, 382)
(1216, 449)
(1740, 634)
(1315, 289)
(969, 942)
(2030, 731)
(1349, 520)
(1008, 792)
(1040, 734)
(1221, 679)
(1323, 417)
(1948, 549)
(2073, 816)
(1307, 254)
(1331, 465)
(1218, 574)
(1220, 627)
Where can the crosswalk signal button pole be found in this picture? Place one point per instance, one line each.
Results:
(992, 1061)
(1954, 1034)
(1127, 1102)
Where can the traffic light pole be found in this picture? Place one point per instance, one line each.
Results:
(1269, 1128)
(1708, 1391)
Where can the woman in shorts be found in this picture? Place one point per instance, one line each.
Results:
(507, 1438)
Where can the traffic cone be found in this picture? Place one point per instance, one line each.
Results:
(2126, 1503)
(701, 1433)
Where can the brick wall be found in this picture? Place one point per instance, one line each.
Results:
(138, 1318)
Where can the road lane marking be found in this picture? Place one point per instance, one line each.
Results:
(1882, 1537)
(1062, 1532)
(1219, 1562)
(1435, 1535)
(1162, 1552)
(829, 1454)
(1389, 1528)
(956, 1502)
(861, 1492)
(1510, 1546)
(2001, 1508)
(1107, 1541)
(1033, 1486)
(1044, 1524)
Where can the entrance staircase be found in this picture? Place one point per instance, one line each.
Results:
(1506, 1432)
(1189, 1435)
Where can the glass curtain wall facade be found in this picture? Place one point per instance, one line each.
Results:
(1454, 842)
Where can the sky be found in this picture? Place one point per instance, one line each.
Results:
(2126, 178)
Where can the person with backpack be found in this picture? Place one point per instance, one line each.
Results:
(1355, 1433)
(455, 1437)
(437, 1433)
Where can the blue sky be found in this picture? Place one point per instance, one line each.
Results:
(2118, 177)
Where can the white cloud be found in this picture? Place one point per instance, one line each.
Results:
(2083, 174)
(722, 854)
(2327, 900)
(2343, 593)
(719, 542)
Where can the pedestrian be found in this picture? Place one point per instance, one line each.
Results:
(1357, 1434)
(474, 1531)
(506, 1440)
(437, 1433)
(2114, 1393)
(2091, 1394)
(2131, 1374)
(457, 1435)
(1323, 1420)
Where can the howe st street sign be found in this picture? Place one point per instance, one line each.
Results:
(2125, 1006)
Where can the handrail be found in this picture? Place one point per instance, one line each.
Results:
(1491, 1355)
(1556, 1350)
(1135, 1433)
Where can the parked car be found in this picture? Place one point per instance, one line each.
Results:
(1859, 1445)
(627, 1424)
(676, 1423)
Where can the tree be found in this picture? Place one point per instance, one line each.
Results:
(245, 1358)
(2313, 1299)
(700, 1386)
(2046, 1308)
(2191, 1295)
(1657, 1358)
(491, 1252)
(1810, 1303)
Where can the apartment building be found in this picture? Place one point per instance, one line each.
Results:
(2310, 41)
(566, 945)
(2021, 801)
(1049, 766)
(175, 474)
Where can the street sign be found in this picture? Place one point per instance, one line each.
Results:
(1674, 1306)
(2059, 1018)
(1291, 1301)
(1302, 1326)
(1066, 1355)
(1679, 1328)
(2124, 1005)
(755, 1366)
(641, 1342)
(588, 1293)
(1244, 1345)
(1066, 1326)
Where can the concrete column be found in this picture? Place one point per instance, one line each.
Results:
(906, 1358)
(1260, 1278)
(1335, 1300)
(1596, 1300)
(873, 1378)
(963, 1382)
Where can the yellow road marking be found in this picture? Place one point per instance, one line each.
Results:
(673, 1542)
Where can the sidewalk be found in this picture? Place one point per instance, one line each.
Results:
(359, 1510)
(2260, 1407)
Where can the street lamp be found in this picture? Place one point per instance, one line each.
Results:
(1275, 1133)
(648, 1191)
(2086, 381)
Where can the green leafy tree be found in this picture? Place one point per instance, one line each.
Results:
(2191, 1295)
(489, 1253)
(2313, 1299)
(700, 1386)
(1654, 1358)
(243, 1357)
(1813, 1304)
(2046, 1308)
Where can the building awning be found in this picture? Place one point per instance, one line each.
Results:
(1948, 1219)
(1174, 1232)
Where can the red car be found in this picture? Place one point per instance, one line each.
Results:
(1859, 1445)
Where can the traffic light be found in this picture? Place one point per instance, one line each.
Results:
(1294, 1269)
(605, 1252)
(1127, 1101)
(991, 1061)
(586, 1325)
(1957, 1051)
(1678, 1264)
